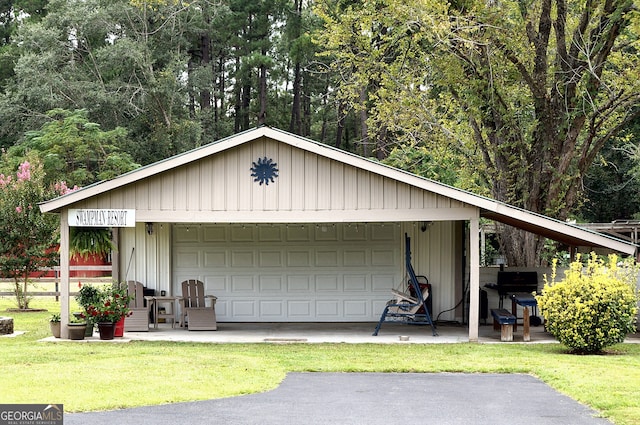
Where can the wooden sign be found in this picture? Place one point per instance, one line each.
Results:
(102, 218)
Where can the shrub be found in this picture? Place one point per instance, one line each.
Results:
(594, 306)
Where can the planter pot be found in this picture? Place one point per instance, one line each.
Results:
(76, 330)
(89, 329)
(55, 329)
(106, 330)
(119, 331)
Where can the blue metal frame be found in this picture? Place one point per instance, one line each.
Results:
(409, 317)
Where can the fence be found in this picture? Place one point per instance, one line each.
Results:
(54, 282)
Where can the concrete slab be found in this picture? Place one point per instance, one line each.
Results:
(315, 333)
(349, 333)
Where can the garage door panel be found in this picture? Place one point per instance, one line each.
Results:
(243, 309)
(383, 257)
(240, 284)
(326, 232)
(270, 259)
(329, 309)
(356, 232)
(185, 234)
(300, 309)
(355, 258)
(356, 309)
(326, 258)
(299, 283)
(215, 234)
(270, 284)
(269, 234)
(383, 232)
(189, 259)
(245, 258)
(382, 282)
(215, 259)
(215, 284)
(291, 273)
(242, 233)
(272, 310)
(355, 283)
(299, 258)
(327, 283)
(297, 233)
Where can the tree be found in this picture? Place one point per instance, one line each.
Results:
(28, 236)
(529, 90)
(74, 150)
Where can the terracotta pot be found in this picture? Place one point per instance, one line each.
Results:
(106, 330)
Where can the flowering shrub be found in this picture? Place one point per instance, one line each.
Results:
(111, 305)
(27, 234)
(592, 307)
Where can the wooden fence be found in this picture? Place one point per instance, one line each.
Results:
(54, 282)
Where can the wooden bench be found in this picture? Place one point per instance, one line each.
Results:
(505, 320)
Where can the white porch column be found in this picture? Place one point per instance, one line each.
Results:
(474, 278)
(64, 273)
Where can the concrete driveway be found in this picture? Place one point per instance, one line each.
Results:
(372, 399)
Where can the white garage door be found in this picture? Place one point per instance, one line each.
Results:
(291, 273)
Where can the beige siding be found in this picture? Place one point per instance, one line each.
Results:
(215, 188)
(146, 258)
(432, 254)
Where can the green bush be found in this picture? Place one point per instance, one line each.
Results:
(594, 306)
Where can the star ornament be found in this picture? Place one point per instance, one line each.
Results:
(264, 171)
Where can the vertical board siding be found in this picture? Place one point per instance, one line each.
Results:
(337, 186)
(310, 181)
(305, 182)
(193, 190)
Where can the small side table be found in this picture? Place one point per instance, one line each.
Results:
(155, 302)
(525, 301)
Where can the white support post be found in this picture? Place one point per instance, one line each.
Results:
(474, 279)
(115, 255)
(64, 274)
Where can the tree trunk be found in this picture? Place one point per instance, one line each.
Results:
(205, 58)
(262, 82)
(295, 125)
(340, 126)
(364, 127)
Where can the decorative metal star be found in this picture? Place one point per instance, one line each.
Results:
(264, 171)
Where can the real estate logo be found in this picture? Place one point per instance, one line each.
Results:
(31, 414)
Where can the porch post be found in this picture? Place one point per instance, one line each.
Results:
(115, 254)
(64, 273)
(474, 278)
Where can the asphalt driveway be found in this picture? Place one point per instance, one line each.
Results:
(372, 398)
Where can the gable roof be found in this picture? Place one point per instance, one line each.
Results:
(491, 209)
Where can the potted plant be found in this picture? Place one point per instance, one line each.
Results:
(90, 246)
(54, 324)
(112, 307)
(87, 296)
(77, 328)
(87, 241)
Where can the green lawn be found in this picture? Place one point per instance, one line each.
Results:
(110, 375)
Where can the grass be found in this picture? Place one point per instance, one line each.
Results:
(104, 376)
